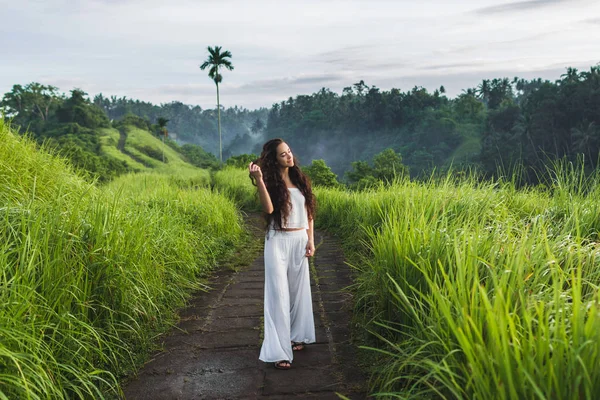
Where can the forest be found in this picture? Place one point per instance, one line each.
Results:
(192, 124)
(499, 123)
(492, 128)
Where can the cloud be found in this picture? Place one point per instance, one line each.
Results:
(485, 46)
(190, 89)
(582, 66)
(360, 59)
(517, 6)
(455, 65)
(593, 21)
(287, 84)
(314, 79)
(344, 53)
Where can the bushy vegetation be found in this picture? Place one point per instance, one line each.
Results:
(387, 167)
(197, 156)
(241, 161)
(133, 120)
(153, 152)
(83, 147)
(477, 290)
(89, 276)
(320, 174)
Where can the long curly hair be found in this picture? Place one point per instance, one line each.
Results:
(280, 196)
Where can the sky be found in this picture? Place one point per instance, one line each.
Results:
(151, 50)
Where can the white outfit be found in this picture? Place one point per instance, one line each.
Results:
(298, 217)
(288, 312)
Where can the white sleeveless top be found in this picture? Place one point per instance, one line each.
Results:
(298, 217)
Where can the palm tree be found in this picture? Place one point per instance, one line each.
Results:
(217, 60)
(469, 92)
(162, 124)
(585, 140)
(484, 90)
(571, 76)
(593, 75)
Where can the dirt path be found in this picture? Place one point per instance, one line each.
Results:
(121, 147)
(214, 353)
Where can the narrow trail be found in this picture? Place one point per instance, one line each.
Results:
(214, 352)
(122, 149)
(122, 140)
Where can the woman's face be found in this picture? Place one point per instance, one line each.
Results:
(285, 158)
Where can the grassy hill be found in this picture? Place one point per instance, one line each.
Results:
(78, 130)
(142, 151)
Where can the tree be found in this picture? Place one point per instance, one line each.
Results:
(217, 60)
(162, 124)
(388, 166)
(242, 160)
(360, 170)
(78, 109)
(468, 108)
(321, 175)
(571, 76)
(585, 140)
(257, 126)
(31, 103)
(197, 156)
(483, 90)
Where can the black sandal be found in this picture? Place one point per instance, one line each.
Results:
(281, 364)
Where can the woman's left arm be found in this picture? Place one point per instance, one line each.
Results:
(310, 246)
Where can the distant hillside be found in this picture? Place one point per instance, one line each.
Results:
(141, 150)
(507, 123)
(501, 122)
(192, 124)
(76, 128)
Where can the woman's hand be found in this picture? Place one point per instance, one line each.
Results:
(255, 171)
(310, 249)
(263, 194)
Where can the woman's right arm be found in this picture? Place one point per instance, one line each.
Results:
(263, 194)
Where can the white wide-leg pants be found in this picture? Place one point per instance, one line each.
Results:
(288, 301)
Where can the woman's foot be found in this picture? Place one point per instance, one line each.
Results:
(284, 364)
(297, 346)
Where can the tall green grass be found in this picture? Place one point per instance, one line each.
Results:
(235, 184)
(478, 290)
(89, 276)
(138, 139)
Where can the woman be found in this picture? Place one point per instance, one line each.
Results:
(289, 205)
